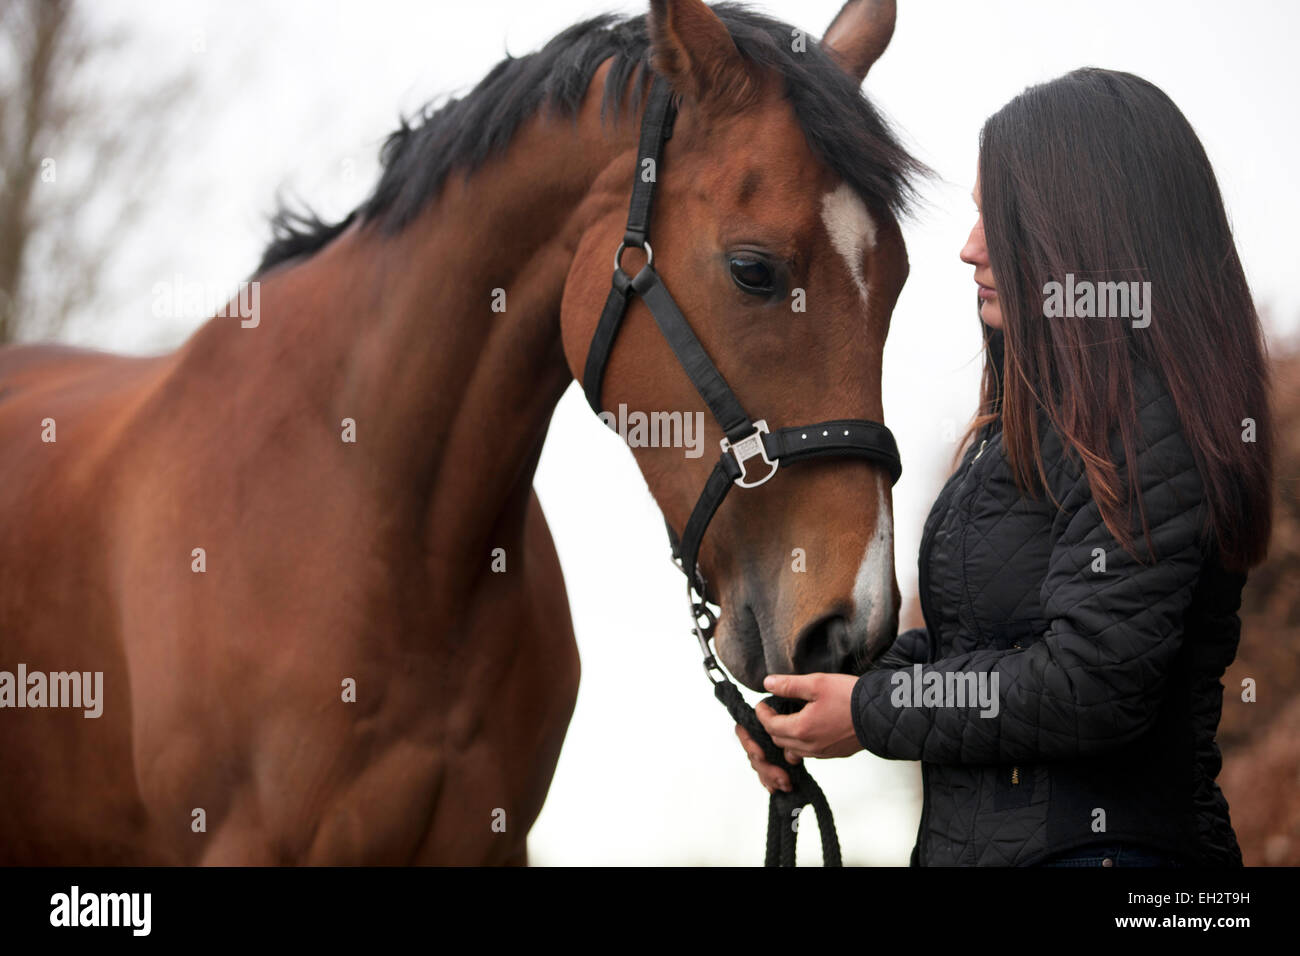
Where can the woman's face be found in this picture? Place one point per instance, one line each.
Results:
(976, 253)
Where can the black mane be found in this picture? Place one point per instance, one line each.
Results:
(842, 127)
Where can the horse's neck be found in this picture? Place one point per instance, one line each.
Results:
(443, 341)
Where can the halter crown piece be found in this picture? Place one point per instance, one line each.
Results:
(751, 455)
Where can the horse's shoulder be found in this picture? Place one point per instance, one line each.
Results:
(40, 361)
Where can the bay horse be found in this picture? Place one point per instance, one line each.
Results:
(305, 553)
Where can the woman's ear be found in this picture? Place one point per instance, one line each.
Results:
(692, 49)
(859, 34)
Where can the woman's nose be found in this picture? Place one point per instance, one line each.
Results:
(974, 253)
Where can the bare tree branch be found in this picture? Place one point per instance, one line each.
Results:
(53, 122)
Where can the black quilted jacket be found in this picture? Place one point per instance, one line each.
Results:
(1109, 690)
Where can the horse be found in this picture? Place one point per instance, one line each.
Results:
(303, 554)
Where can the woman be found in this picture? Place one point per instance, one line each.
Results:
(1081, 570)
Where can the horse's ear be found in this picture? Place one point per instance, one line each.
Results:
(859, 34)
(692, 49)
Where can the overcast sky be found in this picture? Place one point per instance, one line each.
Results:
(297, 96)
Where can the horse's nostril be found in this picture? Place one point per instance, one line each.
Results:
(824, 647)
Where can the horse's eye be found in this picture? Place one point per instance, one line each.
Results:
(753, 276)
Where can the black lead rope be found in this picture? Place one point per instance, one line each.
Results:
(746, 440)
(783, 808)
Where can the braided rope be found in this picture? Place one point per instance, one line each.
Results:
(783, 808)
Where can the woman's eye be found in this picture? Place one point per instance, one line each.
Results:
(752, 275)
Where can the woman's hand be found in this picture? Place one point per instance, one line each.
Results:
(823, 728)
(770, 776)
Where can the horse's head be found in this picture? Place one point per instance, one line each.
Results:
(774, 230)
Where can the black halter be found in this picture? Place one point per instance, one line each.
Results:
(745, 439)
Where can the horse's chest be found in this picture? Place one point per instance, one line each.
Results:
(442, 753)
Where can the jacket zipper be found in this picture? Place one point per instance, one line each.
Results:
(923, 585)
(1015, 771)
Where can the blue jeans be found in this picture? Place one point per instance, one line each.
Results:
(1114, 854)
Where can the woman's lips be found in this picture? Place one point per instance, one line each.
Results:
(986, 293)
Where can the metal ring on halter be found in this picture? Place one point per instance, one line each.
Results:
(618, 255)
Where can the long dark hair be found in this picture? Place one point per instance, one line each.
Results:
(1100, 175)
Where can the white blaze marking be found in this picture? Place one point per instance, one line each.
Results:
(851, 228)
(873, 597)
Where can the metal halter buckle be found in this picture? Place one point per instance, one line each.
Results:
(747, 448)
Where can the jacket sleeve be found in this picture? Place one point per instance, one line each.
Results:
(1095, 678)
(908, 648)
